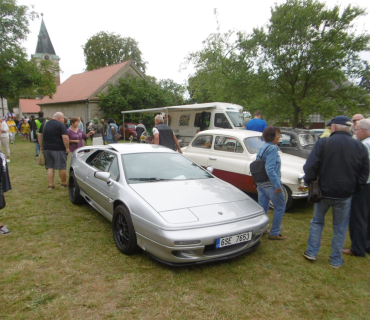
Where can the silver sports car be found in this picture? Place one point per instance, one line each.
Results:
(162, 202)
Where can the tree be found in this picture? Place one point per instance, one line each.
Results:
(104, 49)
(365, 80)
(17, 73)
(223, 73)
(135, 93)
(308, 59)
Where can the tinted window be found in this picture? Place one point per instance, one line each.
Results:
(204, 141)
(253, 143)
(104, 161)
(221, 121)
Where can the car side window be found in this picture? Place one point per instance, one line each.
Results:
(114, 169)
(228, 144)
(104, 161)
(287, 140)
(203, 141)
(253, 144)
(221, 121)
(94, 157)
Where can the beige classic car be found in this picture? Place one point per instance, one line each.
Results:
(230, 152)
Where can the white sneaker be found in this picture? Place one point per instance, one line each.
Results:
(4, 230)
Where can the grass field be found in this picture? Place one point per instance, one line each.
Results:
(61, 262)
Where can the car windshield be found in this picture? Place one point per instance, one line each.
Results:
(237, 118)
(153, 167)
(306, 139)
(253, 143)
(131, 126)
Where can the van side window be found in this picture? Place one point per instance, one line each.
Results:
(203, 141)
(202, 120)
(221, 121)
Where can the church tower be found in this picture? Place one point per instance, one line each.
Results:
(45, 49)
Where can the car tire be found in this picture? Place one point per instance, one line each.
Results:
(288, 198)
(74, 190)
(124, 231)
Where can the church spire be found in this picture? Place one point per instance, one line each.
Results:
(44, 44)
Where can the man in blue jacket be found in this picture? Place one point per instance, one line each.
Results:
(342, 165)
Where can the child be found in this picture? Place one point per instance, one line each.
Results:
(25, 129)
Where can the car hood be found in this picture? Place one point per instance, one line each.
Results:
(197, 201)
(291, 163)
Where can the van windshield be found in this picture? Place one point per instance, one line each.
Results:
(236, 118)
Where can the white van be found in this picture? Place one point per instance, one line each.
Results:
(187, 120)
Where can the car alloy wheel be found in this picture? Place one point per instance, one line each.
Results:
(123, 231)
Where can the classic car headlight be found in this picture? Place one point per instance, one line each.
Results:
(301, 177)
(187, 243)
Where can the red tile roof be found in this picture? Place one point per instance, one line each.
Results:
(29, 105)
(82, 86)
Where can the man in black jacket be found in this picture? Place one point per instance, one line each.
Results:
(342, 165)
(164, 136)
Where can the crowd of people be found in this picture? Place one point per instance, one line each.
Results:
(339, 161)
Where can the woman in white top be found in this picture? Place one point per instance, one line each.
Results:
(4, 138)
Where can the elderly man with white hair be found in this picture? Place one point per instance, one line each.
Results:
(359, 220)
(54, 142)
(341, 164)
(163, 135)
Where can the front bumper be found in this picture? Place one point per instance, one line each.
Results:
(300, 195)
(161, 246)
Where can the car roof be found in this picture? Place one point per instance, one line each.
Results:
(129, 148)
(298, 130)
(239, 133)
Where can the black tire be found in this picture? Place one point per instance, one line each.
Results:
(74, 190)
(124, 231)
(288, 198)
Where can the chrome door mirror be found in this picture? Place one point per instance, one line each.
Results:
(210, 169)
(104, 176)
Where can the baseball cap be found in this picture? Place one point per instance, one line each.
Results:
(342, 120)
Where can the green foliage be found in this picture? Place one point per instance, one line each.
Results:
(365, 80)
(308, 56)
(135, 93)
(17, 73)
(305, 60)
(104, 49)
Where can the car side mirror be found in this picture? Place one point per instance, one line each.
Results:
(294, 142)
(210, 169)
(104, 176)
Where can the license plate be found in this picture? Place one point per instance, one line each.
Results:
(230, 240)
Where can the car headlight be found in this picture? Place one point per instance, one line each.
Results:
(301, 177)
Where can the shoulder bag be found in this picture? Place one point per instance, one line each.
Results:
(258, 169)
(314, 192)
(117, 136)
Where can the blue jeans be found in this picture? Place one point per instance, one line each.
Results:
(37, 148)
(341, 209)
(278, 200)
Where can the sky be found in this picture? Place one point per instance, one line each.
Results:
(167, 30)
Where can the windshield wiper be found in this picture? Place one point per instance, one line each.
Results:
(149, 179)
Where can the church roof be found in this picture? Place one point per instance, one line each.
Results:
(29, 105)
(86, 85)
(44, 44)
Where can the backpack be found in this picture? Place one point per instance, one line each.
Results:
(258, 169)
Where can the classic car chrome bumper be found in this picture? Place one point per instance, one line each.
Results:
(300, 195)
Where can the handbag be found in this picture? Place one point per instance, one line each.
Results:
(117, 136)
(40, 159)
(314, 191)
(258, 169)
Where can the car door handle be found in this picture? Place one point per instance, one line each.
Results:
(212, 158)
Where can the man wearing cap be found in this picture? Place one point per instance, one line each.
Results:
(342, 166)
(359, 220)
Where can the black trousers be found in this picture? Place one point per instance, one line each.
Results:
(359, 222)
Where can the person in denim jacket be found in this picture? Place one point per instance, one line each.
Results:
(111, 131)
(272, 188)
